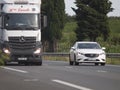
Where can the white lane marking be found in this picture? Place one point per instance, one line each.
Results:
(31, 80)
(17, 70)
(68, 67)
(101, 71)
(71, 85)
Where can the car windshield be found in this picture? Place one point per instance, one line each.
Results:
(21, 21)
(88, 46)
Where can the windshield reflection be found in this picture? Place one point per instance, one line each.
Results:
(88, 46)
(21, 22)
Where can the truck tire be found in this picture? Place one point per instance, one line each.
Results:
(39, 63)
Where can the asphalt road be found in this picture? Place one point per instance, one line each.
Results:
(58, 75)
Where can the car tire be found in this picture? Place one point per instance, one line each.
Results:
(102, 64)
(76, 63)
(70, 62)
(96, 64)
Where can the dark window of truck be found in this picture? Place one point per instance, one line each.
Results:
(21, 22)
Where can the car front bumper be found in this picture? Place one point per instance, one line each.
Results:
(91, 59)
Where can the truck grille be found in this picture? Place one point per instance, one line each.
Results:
(22, 43)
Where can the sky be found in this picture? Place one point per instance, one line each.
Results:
(115, 5)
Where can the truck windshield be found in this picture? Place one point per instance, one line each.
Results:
(21, 22)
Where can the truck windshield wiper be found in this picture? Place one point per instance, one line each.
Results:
(14, 28)
(29, 27)
(21, 27)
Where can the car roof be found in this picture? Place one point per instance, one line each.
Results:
(85, 42)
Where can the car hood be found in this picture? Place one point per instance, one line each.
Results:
(92, 51)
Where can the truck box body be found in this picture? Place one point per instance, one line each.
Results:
(20, 30)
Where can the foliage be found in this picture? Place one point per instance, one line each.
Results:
(55, 11)
(91, 16)
(69, 18)
(3, 57)
(1, 60)
(68, 38)
(112, 44)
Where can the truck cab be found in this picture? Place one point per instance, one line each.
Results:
(20, 30)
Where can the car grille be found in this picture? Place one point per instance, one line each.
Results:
(92, 55)
(22, 43)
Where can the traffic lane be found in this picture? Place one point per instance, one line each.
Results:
(108, 71)
(87, 76)
(11, 81)
(36, 83)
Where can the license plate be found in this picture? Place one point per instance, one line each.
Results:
(22, 58)
(89, 59)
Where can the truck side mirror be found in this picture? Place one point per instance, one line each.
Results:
(44, 21)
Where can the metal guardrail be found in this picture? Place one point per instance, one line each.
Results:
(109, 55)
(113, 55)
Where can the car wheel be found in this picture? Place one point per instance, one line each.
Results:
(96, 64)
(76, 63)
(102, 64)
(70, 62)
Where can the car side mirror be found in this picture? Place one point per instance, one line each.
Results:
(73, 48)
(103, 48)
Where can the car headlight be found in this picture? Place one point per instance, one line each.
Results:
(37, 51)
(102, 53)
(7, 51)
(79, 53)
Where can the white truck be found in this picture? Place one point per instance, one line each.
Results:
(20, 30)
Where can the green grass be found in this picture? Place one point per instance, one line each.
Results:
(114, 24)
(112, 44)
(68, 37)
(113, 61)
(3, 57)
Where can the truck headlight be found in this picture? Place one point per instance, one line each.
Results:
(7, 51)
(37, 51)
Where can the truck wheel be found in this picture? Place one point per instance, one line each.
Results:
(26, 63)
(39, 63)
(5, 63)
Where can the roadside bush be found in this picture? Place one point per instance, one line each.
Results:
(3, 57)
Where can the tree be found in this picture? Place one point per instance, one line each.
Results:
(91, 16)
(55, 11)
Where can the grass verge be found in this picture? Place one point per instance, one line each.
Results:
(113, 61)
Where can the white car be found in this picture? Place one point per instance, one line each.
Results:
(87, 52)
